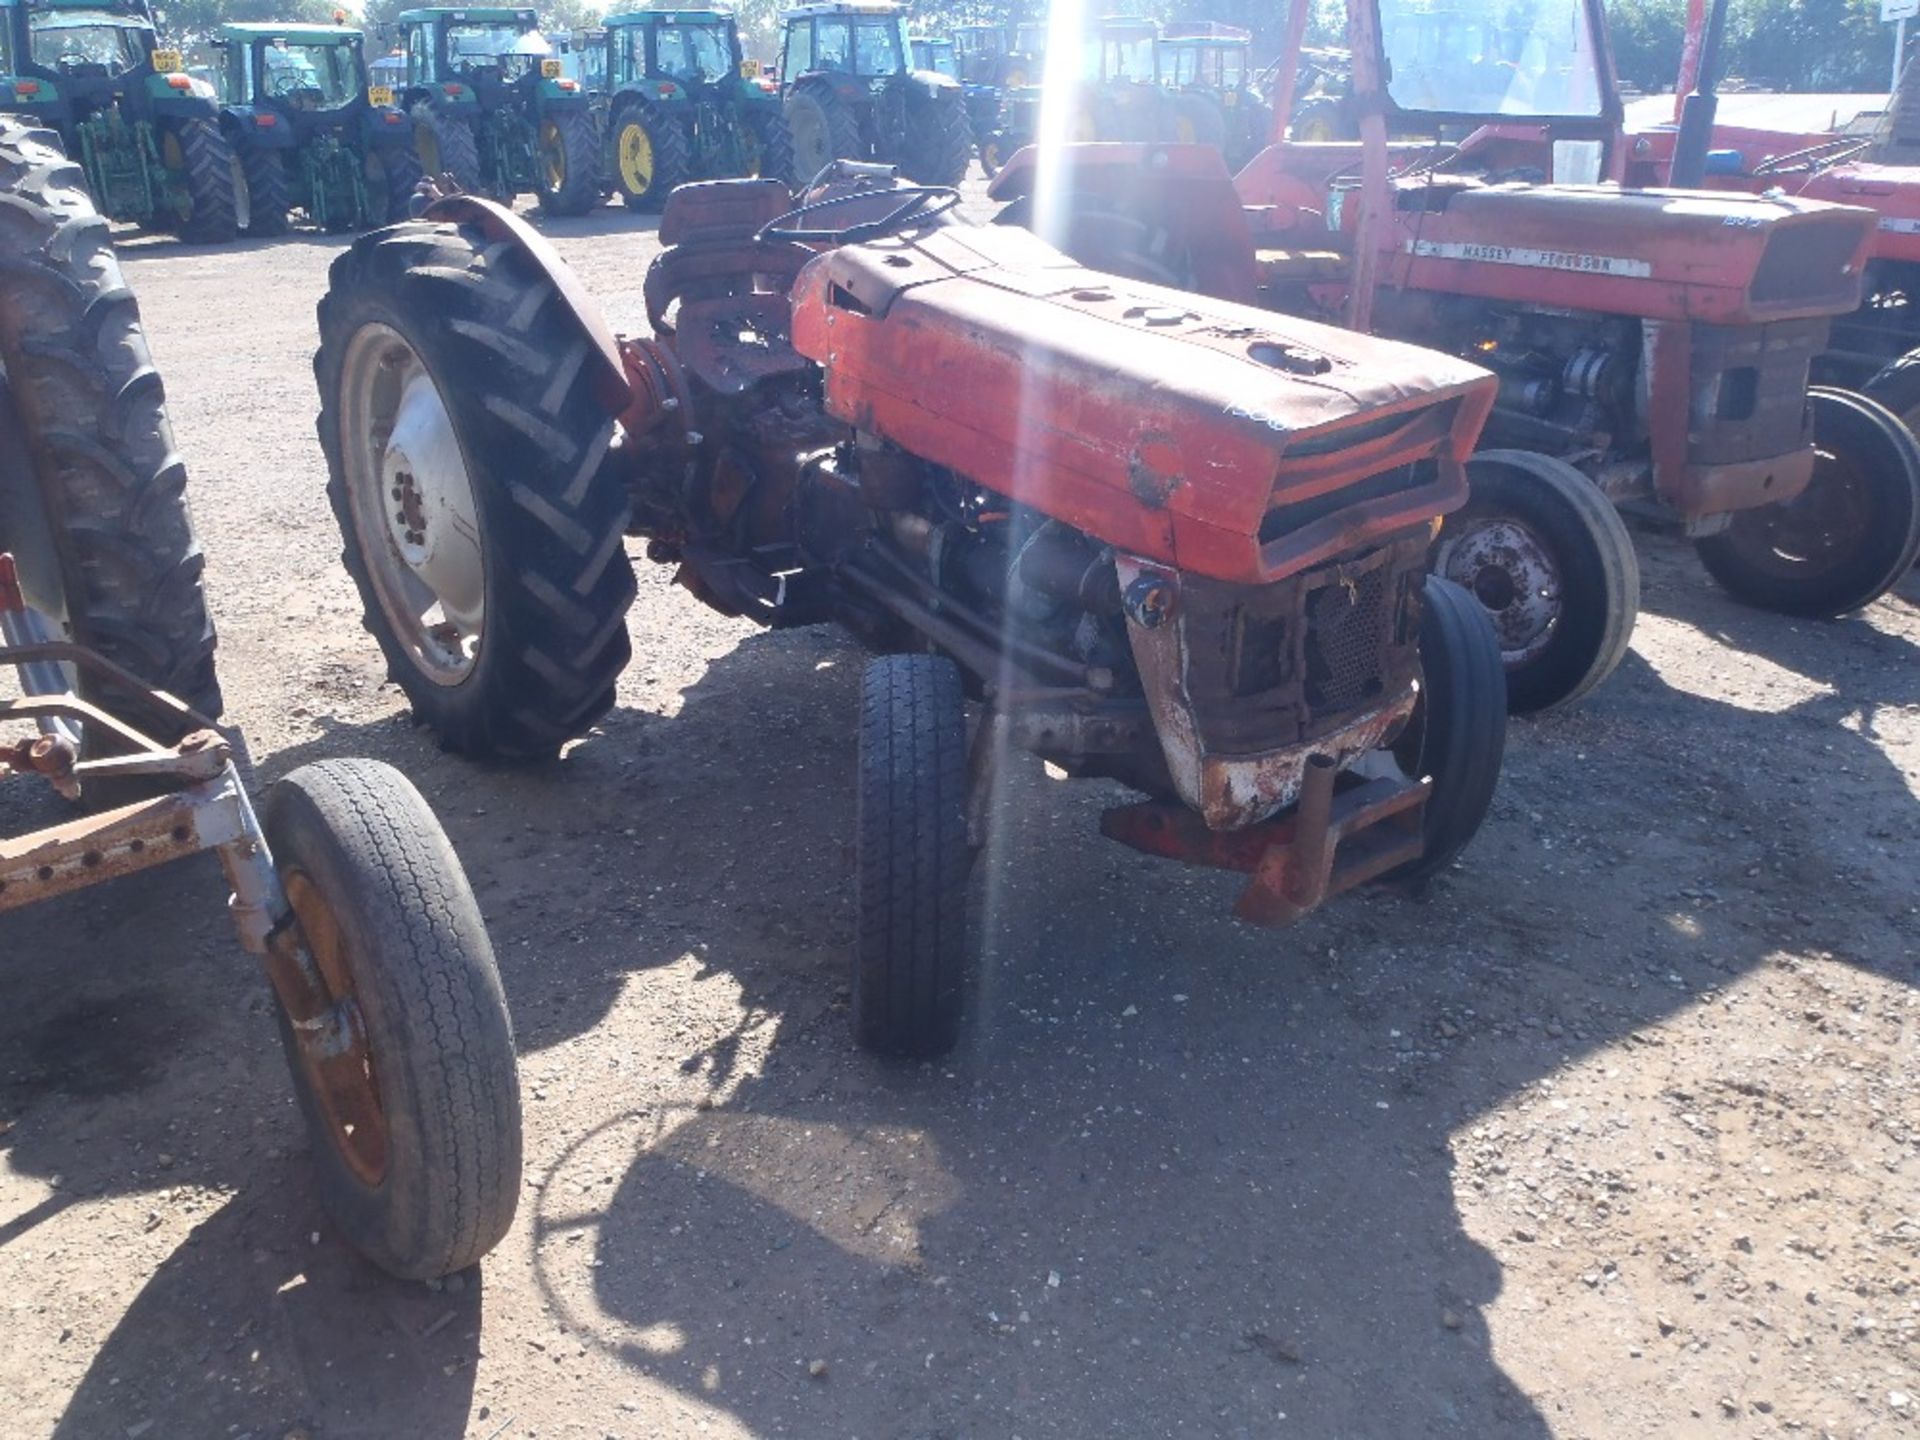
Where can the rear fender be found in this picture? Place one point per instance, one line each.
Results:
(249, 127)
(500, 224)
(385, 126)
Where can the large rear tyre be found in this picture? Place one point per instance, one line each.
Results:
(201, 166)
(1458, 733)
(911, 857)
(651, 154)
(770, 155)
(1897, 387)
(938, 144)
(822, 129)
(464, 449)
(445, 145)
(391, 172)
(1545, 554)
(569, 155)
(1192, 120)
(1847, 538)
(411, 1095)
(267, 197)
(93, 498)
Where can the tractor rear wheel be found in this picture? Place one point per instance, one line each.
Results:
(1898, 388)
(938, 145)
(1847, 538)
(202, 164)
(93, 504)
(464, 447)
(771, 149)
(411, 1095)
(268, 197)
(391, 172)
(569, 163)
(823, 130)
(651, 154)
(1545, 554)
(911, 857)
(1192, 120)
(994, 152)
(1458, 732)
(445, 146)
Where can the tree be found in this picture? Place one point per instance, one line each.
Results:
(192, 22)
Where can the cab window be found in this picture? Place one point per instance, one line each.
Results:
(798, 58)
(419, 56)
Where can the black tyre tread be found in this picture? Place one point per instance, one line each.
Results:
(269, 195)
(1562, 506)
(510, 366)
(1209, 121)
(1892, 542)
(912, 857)
(1897, 386)
(580, 142)
(436, 1017)
(842, 128)
(403, 172)
(1465, 714)
(776, 144)
(672, 152)
(459, 150)
(212, 217)
(86, 393)
(939, 142)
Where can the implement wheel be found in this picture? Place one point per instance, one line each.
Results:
(1544, 552)
(569, 163)
(1846, 539)
(408, 1084)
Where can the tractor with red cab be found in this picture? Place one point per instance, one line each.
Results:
(1160, 538)
(1654, 347)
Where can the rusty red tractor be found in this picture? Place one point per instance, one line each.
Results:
(1653, 347)
(1168, 540)
(388, 1002)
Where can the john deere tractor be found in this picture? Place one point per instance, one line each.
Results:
(982, 101)
(310, 132)
(1210, 96)
(145, 133)
(852, 94)
(682, 107)
(491, 108)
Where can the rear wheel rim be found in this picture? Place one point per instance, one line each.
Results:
(412, 503)
(426, 144)
(636, 157)
(1821, 529)
(335, 1055)
(553, 152)
(173, 160)
(242, 196)
(1503, 564)
(809, 132)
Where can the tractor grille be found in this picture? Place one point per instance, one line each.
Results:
(1809, 264)
(1348, 629)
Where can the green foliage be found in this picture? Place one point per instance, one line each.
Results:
(191, 21)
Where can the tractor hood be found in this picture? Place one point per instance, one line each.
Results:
(1725, 258)
(1228, 441)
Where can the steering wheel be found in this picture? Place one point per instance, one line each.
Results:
(1812, 157)
(918, 203)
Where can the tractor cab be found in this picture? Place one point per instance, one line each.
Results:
(1003, 56)
(861, 39)
(583, 58)
(487, 51)
(936, 55)
(87, 55)
(1205, 69)
(291, 69)
(689, 50)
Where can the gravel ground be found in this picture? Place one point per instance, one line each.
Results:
(1614, 1132)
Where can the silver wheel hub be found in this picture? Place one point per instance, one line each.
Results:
(1503, 564)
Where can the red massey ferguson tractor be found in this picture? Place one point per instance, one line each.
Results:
(1653, 346)
(1168, 540)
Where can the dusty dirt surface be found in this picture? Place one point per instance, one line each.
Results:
(1613, 1132)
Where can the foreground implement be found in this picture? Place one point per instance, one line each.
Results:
(390, 1008)
(1171, 541)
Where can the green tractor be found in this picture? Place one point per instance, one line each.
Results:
(682, 107)
(311, 133)
(1211, 100)
(491, 107)
(145, 133)
(852, 94)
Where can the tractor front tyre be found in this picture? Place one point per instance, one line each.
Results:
(1846, 539)
(1545, 554)
(268, 197)
(93, 503)
(391, 172)
(1458, 731)
(651, 155)
(465, 448)
(938, 144)
(569, 163)
(202, 166)
(911, 858)
(445, 145)
(771, 150)
(408, 1084)
(823, 130)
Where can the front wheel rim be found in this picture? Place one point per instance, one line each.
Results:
(412, 503)
(1503, 565)
(1818, 531)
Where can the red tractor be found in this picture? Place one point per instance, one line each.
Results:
(1168, 540)
(1653, 347)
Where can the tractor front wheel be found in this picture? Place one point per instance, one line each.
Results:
(938, 144)
(267, 197)
(1847, 538)
(823, 129)
(1546, 556)
(911, 857)
(651, 155)
(464, 446)
(569, 167)
(201, 168)
(1458, 732)
(408, 1082)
